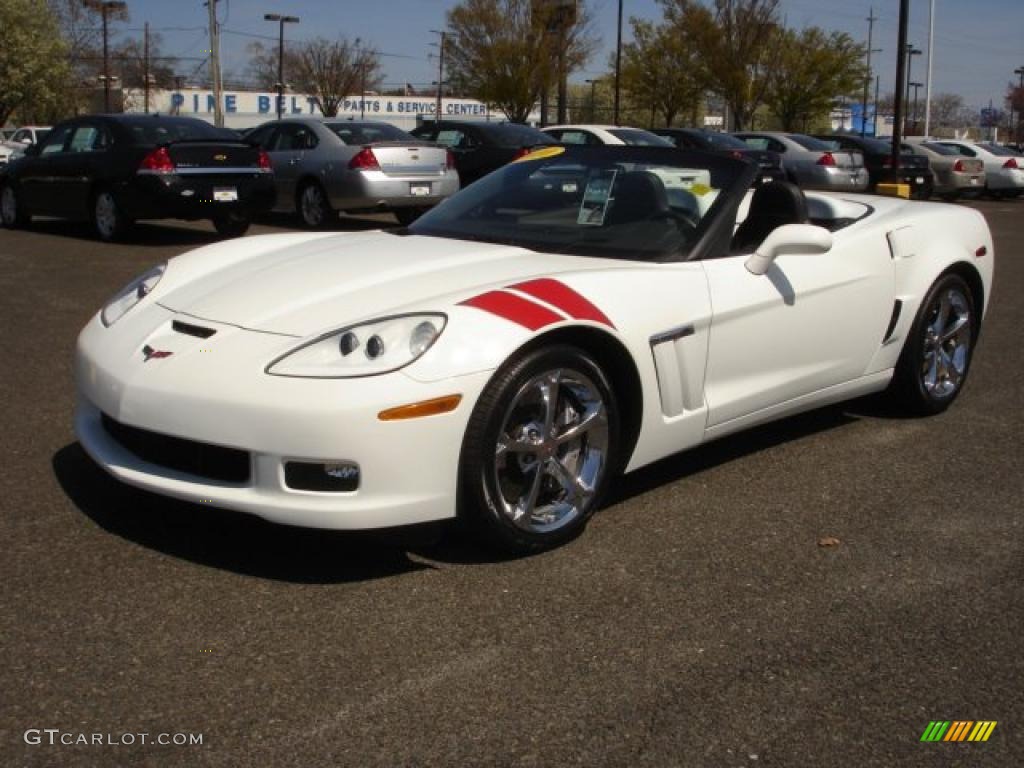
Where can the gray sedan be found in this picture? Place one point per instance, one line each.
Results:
(810, 162)
(325, 165)
(954, 175)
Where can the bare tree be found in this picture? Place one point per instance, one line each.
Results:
(504, 53)
(333, 70)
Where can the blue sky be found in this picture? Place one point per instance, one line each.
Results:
(978, 43)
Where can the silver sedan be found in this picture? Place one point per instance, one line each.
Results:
(325, 165)
(955, 175)
(810, 162)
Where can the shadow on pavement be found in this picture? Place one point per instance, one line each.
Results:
(143, 233)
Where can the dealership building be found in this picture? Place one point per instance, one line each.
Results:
(243, 109)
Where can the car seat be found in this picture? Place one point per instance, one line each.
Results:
(771, 206)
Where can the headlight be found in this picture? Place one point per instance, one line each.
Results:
(130, 295)
(367, 349)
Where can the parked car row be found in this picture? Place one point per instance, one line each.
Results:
(113, 170)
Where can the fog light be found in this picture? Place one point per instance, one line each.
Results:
(327, 477)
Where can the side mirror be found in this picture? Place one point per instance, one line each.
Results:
(791, 239)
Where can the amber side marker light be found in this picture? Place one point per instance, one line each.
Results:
(425, 408)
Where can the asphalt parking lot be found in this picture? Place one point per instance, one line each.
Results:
(698, 622)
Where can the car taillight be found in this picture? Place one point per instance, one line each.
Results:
(263, 161)
(449, 159)
(364, 160)
(827, 159)
(521, 152)
(1011, 163)
(157, 161)
(958, 166)
(737, 154)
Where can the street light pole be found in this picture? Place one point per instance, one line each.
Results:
(282, 20)
(913, 112)
(867, 77)
(105, 8)
(928, 89)
(901, 67)
(440, 74)
(1020, 100)
(911, 52)
(593, 100)
(618, 64)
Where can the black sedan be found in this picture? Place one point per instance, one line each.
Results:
(914, 170)
(480, 148)
(770, 163)
(115, 169)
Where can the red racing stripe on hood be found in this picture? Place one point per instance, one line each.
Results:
(560, 295)
(514, 308)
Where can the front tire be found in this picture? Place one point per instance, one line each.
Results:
(937, 355)
(313, 207)
(232, 224)
(12, 210)
(539, 450)
(108, 220)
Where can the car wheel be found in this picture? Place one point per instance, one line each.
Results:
(539, 450)
(232, 224)
(12, 212)
(314, 209)
(407, 216)
(933, 366)
(108, 219)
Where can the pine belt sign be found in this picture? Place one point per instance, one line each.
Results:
(200, 103)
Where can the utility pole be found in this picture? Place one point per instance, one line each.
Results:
(874, 119)
(867, 79)
(928, 88)
(593, 100)
(105, 8)
(1020, 100)
(282, 20)
(911, 53)
(145, 67)
(901, 67)
(618, 64)
(218, 107)
(440, 73)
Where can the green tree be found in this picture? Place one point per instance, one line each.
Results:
(503, 52)
(811, 70)
(737, 43)
(662, 69)
(34, 73)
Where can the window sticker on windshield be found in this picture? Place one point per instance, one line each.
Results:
(595, 199)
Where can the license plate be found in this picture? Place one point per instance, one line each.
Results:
(419, 190)
(225, 194)
(974, 182)
(919, 179)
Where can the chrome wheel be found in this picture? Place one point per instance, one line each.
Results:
(106, 215)
(313, 206)
(8, 206)
(947, 343)
(551, 452)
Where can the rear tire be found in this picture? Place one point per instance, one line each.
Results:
(539, 450)
(312, 206)
(12, 210)
(108, 220)
(232, 224)
(937, 354)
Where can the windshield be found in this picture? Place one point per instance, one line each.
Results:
(513, 135)
(610, 202)
(635, 137)
(368, 133)
(996, 149)
(162, 130)
(811, 143)
(723, 141)
(939, 149)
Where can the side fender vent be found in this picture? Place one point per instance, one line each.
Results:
(192, 330)
(896, 309)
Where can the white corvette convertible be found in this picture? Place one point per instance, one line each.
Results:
(577, 314)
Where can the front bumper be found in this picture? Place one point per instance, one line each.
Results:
(364, 190)
(215, 392)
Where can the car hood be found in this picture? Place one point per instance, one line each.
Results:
(311, 286)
